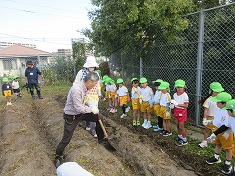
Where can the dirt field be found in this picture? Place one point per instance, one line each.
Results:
(30, 131)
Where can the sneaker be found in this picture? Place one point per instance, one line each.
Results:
(167, 133)
(138, 123)
(227, 169)
(148, 125)
(88, 128)
(232, 172)
(157, 129)
(58, 160)
(9, 103)
(40, 97)
(145, 123)
(181, 142)
(127, 109)
(111, 110)
(16, 100)
(33, 97)
(114, 110)
(155, 126)
(177, 139)
(95, 135)
(163, 132)
(213, 160)
(123, 115)
(134, 123)
(203, 144)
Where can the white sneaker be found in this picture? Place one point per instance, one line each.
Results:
(9, 103)
(88, 128)
(144, 124)
(127, 109)
(203, 144)
(148, 125)
(123, 115)
(95, 135)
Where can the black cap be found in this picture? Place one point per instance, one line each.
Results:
(29, 62)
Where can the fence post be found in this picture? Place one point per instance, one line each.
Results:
(141, 67)
(199, 65)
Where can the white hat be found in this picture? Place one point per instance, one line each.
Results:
(90, 62)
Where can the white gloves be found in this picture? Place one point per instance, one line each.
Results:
(211, 138)
(94, 110)
(141, 99)
(207, 122)
(174, 102)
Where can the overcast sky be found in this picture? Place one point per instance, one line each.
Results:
(50, 24)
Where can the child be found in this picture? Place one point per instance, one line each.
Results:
(165, 111)
(180, 102)
(16, 87)
(146, 109)
(113, 96)
(123, 97)
(156, 106)
(107, 92)
(222, 141)
(6, 90)
(210, 109)
(229, 125)
(135, 95)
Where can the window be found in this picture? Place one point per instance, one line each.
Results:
(10, 64)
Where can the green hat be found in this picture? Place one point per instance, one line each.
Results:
(107, 80)
(104, 78)
(164, 85)
(112, 82)
(158, 81)
(119, 80)
(143, 80)
(216, 87)
(179, 83)
(5, 79)
(134, 79)
(231, 105)
(14, 77)
(222, 97)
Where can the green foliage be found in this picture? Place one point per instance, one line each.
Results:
(134, 23)
(61, 72)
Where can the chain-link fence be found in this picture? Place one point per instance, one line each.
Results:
(201, 54)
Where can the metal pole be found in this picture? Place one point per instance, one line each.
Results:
(141, 67)
(199, 65)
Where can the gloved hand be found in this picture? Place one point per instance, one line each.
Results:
(151, 102)
(172, 106)
(207, 122)
(211, 138)
(140, 100)
(118, 99)
(94, 110)
(174, 102)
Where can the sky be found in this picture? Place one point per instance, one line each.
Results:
(49, 24)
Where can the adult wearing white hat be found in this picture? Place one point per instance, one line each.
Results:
(72, 169)
(94, 94)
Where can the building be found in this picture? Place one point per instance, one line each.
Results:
(7, 44)
(13, 59)
(64, 52)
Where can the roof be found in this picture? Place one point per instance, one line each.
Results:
(22, 51)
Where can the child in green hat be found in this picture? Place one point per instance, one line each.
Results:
(146, 109)
(7, 90)
(225, 139)
(135, 95)
(180, 103)
(210, 109)
(156, 106)
(165, 111)
(113, 96)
